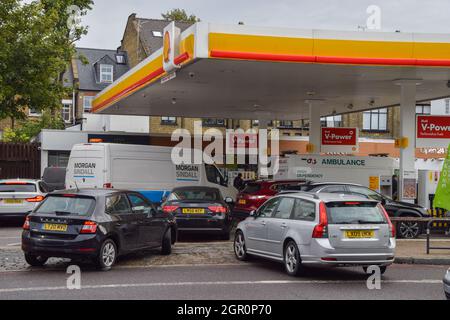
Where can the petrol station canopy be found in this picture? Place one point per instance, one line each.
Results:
(244, 72)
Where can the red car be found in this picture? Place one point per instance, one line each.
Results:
(257, 192)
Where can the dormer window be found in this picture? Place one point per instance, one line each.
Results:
(120, 59)
(157, 34)
(106, 73)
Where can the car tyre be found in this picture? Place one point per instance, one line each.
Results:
(166, 245)
(34, 260)
(382, 269)
(292, 260)
(409, 229)
(447, 295)
(240, 250)
(107, 255)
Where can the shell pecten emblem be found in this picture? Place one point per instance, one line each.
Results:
(166, 49)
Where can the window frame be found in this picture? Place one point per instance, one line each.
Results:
(308, 201)
(278, 205)
(377, 113)
(86, 98)
(167, 121)
(109, 73)
(118, 195)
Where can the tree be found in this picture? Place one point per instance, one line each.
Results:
(179, 15)
(36, 45)
(29, 129)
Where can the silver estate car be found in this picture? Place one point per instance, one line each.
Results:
(18, 197)
(304, 229)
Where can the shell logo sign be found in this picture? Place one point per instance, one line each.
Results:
(170, 46)
(339, 140)
(166, 48)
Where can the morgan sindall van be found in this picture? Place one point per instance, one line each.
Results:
(147, 169)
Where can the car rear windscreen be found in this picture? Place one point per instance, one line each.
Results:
(17, 187)
(251, 188)
(354, 212)
(195, 195)
(64, 205)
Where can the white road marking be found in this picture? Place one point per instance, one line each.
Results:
(14, 244)
(214, 283)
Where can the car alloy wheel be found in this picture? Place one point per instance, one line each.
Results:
(409, 229)
(239, 246)
(291, 258)
(108, 254)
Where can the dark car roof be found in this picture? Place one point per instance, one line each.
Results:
(195, 188)
(95, 192)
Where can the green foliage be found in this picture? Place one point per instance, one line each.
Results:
(31, 128)
(36, 45)
(179, 15)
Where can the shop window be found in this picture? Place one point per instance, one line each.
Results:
(213, 122)
(375, 120)
(169, 120)
(423, 109)
(286, 124)
(66, 112)
(331, 122)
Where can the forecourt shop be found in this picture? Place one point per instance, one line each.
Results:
(263, 73)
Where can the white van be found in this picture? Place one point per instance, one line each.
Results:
(146, 169)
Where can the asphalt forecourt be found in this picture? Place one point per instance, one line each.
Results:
(200, 250)
(254, 280)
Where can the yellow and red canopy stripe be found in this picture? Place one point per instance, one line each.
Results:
(333, 51)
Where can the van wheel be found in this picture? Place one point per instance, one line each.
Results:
(35, 261)
(292, 260)
(240, 250)
(382, 269)
(166, 245)
(107, 256)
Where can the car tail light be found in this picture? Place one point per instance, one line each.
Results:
(321, 230)
(107, 185)
(391, 226)
(36, 199)
(89, 227)
(26, 224)
(169, 209)
(218, 209)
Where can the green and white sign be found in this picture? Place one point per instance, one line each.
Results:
(442, 196)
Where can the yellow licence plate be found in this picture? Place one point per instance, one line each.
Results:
(193, 211)
(359, 234)
(13, 201)
(55, 227)
(242, 201)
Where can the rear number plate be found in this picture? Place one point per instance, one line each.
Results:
(193, 211)
(359, 234)
(242, 201)
(55, 227)
(13, 201)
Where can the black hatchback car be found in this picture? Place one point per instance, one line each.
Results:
(200, 210)
(405, 229)
(99, 224)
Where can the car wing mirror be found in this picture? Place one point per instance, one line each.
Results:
(229, 200)
(253, 213)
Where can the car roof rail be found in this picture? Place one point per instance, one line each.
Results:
(312, 195)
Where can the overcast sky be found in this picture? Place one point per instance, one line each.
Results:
(108, 18)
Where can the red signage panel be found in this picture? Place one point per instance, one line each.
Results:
(339, 137)
(433, 127)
